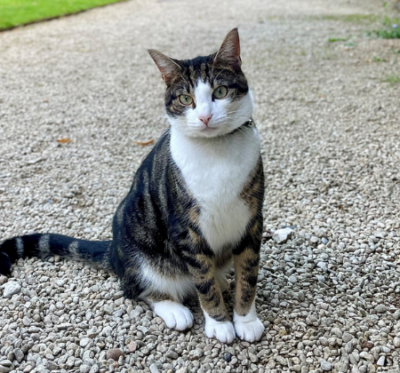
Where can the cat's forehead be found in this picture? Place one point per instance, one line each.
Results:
(197, 69)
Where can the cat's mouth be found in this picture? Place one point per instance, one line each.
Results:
(208, 129)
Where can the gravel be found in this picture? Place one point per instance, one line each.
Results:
(328, 295)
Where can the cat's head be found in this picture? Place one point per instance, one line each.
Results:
(206, 96)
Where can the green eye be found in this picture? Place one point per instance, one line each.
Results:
(185, 99)
(220, 92)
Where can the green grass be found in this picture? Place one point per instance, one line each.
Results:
(378, 59)
(352, 18)
(392, 79)
(334, 40)
(391, 30)
(20, 12)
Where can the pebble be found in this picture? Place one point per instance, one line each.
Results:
(84, 342)
(114, 354)
(84, 368)
(326, 365)
(182, 370)
(280, 236)
(292, 279)
(380, 308)
(11, 288)
(154, 369)
(94, 369)
(227, 357)
(171, 354)
(347, 337)
(367, 356)
(3, 279)
(381, 361)
(6, 366)
(19, 355)
(132, 346)
(396, 342)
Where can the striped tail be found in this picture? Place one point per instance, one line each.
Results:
(45, 245)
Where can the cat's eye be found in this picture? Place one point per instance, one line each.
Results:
(185, 100)
(220, 92)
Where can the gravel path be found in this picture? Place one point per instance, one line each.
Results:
(329, 296)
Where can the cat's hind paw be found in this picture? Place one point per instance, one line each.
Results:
(249, 331)
(175, 315)
(222, 330)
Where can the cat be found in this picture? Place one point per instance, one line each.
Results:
(194, 205)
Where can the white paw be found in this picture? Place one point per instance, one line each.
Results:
(222, 330)
(249, 327)
(175, 315)
(249, 331)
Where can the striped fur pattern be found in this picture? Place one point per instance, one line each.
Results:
(194, 208)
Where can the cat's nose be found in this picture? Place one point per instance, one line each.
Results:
(205, 118)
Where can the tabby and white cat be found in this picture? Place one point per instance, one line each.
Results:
(195, 203)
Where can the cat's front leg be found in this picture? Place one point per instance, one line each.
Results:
(218, 324)
(246, 259)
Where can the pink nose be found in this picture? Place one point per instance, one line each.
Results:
(205, 118)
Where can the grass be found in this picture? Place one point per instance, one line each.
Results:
(392, 79)
(21, 12)
(378, 59)
(392, 30)
(352, 18)
(334, 40)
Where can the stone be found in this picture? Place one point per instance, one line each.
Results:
(114, 354)
(396, 342)
(84, 342)
(132, 346)
(367, 356)
(94, 369)
(171, 355)
(70, 362)
(326, 366)
(3, 279)
(153, 368)
(347, 337)
(84, 368)
(19, 355)
(227, 357)
(381, 361)
(6, 366)
(182, 370)
(280, 236)
(380, 308)
(11, 288)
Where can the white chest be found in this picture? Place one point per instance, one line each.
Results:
(215, 171)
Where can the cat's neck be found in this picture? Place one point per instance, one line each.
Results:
(239, 144)
(234, 136)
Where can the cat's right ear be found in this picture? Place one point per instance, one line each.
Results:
(168, 67)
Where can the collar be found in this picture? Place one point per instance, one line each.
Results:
(249, 123)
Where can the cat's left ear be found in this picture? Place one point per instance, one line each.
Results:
(229, 52)
(168, 67)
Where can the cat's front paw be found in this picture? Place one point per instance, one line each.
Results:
(249, 331)
(175, 315)
(222, 330)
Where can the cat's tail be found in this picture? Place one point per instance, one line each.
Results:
(45, 245)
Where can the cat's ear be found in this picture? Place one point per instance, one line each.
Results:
(168, 67)
(229, 52)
